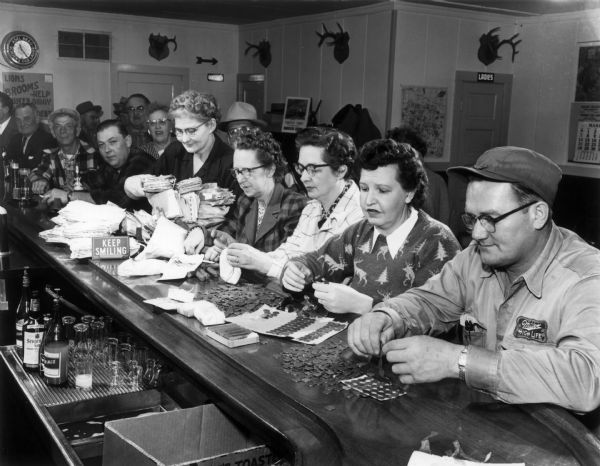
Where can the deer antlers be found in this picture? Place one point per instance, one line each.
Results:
(263, 50)
(341, 49)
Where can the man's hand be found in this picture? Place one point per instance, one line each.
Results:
(40, 186)
(339, 299)
(368, 333)
(422, 359)
(296, 276)
(245, 256)
(56, 194)
(194, 241)
(134, 186)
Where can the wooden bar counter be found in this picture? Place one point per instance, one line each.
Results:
(302, 423)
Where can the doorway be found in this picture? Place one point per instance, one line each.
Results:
(158, 83)
(481, 113)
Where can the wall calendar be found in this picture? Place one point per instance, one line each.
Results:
(584, 131)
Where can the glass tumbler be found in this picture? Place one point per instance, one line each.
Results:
(97, 336)
(112, 350)
(68, 323)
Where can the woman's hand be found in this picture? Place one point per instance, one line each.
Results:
(296, 276)
(56, 194)
(340, 299)
(194, 241)
(245, 256)
(40, 186)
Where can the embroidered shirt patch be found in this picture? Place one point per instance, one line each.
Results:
(531, 329)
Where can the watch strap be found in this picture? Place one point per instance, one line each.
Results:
(462, 363)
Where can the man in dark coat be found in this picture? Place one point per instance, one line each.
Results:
(28, 145)
(8, 124)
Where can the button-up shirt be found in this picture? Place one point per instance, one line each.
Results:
(537, 339)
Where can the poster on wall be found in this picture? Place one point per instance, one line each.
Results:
(36, 88)
(585, 126)
(588, 75)
(295, 115)
(424, 110)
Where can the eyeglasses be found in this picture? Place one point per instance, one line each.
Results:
(189, 131)
(159, 122)
(139, 108)
(487, 222)
(311, 168)
(241, 130)
(246, 172)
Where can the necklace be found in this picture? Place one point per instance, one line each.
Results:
(261, 213)
(326, 215)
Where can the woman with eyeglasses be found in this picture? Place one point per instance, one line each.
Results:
(160, 128)
(266, 213)
(325, 160)
(199, 153)
(396, 247)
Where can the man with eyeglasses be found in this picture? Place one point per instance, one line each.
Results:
(137, 112)
(526, 291)
(27, 146)
(55, 176)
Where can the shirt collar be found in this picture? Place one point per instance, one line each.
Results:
(4, 125)
(396, 239)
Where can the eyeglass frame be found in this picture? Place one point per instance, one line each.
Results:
(189, 131)
(485, 219)
(246, 172)
(158, 121)
(309, 168)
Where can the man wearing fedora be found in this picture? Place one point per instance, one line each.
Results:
(240, 117)
(90, 119)
(525, 291)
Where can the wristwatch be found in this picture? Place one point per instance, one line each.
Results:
(462, 363)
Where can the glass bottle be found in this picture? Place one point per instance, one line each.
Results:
(33, 332)
(23, 311)
(55, 349)
(14, 180)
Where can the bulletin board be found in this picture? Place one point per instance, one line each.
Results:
(424, 110)
(37, 88)
(584, 133)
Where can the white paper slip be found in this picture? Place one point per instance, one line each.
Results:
(180, 265)
(180, 295)
(418, 458)
(163, 303)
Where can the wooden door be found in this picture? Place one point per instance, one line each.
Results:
(158, 83)
(481, 112)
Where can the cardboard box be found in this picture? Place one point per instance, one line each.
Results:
(200, 435)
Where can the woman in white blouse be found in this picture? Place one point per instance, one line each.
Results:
(325, 161)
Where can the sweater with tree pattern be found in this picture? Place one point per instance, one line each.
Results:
(428, 246)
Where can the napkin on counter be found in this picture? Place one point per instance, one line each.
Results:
(135, 268)
(418, 458)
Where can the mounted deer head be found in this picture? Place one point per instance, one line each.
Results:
(263, 50)
(341, 49)
(159, 46)
(489, 44)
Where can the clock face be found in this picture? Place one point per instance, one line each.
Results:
(20, 49)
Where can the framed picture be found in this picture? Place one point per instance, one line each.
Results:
(295, 115)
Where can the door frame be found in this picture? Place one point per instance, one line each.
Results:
(471, 76)
(116, 68)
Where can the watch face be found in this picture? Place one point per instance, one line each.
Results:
(20, 49)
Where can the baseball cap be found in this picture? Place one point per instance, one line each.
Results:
(64, 112)
(517, 165)
(88, 106)
(241, 111)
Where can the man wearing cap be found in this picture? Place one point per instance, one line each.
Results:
(56, 174)
(240, 117)
(526, 292)
(90, 119)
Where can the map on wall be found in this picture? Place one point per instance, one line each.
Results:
(424, 110)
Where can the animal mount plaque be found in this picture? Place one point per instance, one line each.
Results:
(159, 46)
(339, 40)
(489, 44)
(263, 51)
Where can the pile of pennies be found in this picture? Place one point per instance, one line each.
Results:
(246, 297)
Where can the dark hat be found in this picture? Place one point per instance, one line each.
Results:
(87, 106)
(517, 165)
(241, 111)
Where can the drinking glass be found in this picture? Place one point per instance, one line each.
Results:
(97, 336)
(112, 350)
(84, 370)
(125, 353)
(115, 374)
(68, 323)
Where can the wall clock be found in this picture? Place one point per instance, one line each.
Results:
(20, 49)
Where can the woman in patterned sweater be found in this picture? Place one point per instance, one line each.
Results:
(396, 247)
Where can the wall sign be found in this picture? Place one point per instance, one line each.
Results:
(485, 77)
(37, 88)
(110, 247)
(295, 115)
(215, 77)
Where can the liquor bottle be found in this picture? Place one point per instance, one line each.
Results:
(23, 311)
(33, 332)
(55, 349)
